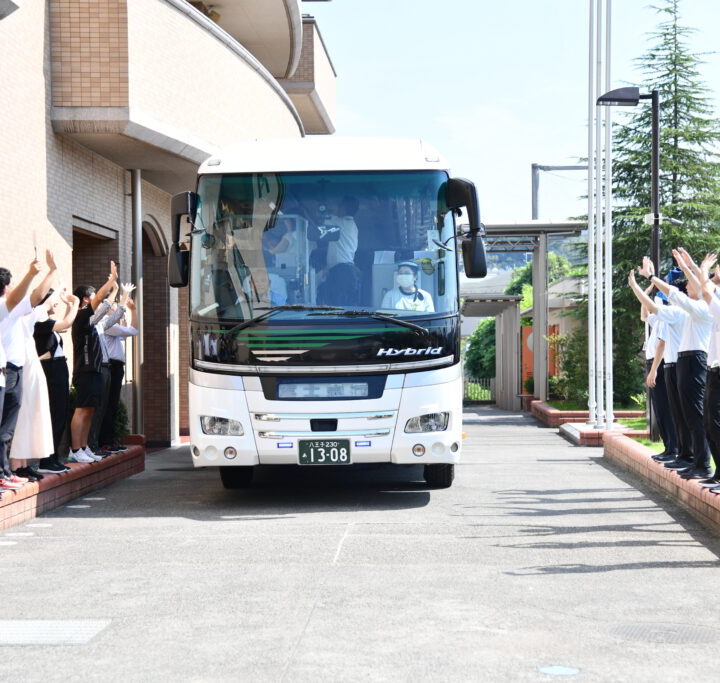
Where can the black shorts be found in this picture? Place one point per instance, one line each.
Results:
(88, 389)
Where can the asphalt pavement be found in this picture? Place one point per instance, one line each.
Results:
(541, 562)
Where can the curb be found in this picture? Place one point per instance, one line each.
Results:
(55, 490)
(634, 457)
(552, 417)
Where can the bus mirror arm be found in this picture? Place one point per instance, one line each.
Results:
(461, 192)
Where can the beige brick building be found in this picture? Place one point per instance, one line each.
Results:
(97, 93)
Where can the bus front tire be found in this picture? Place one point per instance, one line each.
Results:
(239, 477)
(439, 476)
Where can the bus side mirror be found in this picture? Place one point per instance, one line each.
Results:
(473, 251)
(183, 204)
(178, 266)
(461, 192)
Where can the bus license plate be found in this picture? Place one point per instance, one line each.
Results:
(325, 452)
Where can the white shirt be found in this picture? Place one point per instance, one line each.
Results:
(114, 337)
(713, 360)
(398, 300)
(673, 319)
(103, 324)
(698, 324)
(656, 328)
(343, 249)
(12, 332)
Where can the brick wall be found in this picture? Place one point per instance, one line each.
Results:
(91, 259)
(89, 53)
(156, 364)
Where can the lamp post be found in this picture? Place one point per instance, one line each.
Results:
(630, 97)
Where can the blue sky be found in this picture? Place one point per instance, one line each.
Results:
(494, 85)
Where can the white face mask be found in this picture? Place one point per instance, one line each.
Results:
(405, 280)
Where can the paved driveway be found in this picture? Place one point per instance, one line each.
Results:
(540, 557)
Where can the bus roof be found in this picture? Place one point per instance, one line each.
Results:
(326, 153)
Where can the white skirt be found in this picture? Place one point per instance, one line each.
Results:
(33, 437)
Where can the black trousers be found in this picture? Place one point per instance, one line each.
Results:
(661, 406)
(684, 440)
(712, 414)
(99, 414)
(58, 383)
(691, 376)
(107, 429)
(11, 407)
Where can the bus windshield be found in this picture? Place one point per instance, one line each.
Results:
(334, 243)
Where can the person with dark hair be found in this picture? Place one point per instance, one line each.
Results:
(113, 316)
(673, 320)
(655, 372)
(114, 339)
(87, 365)
(407, 296)
(50, 349)
(700, 278)
(14, 346)
(691, 371)
(342, 250)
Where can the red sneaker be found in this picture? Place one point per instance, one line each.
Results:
(11, 485)
(18, 480)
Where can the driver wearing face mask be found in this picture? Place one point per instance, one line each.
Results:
(407, 296)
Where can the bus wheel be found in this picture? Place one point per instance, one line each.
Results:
(439, 476)
(236, 477)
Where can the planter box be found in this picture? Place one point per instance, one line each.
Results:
(58, 489)
(634, 457)
(552, 417)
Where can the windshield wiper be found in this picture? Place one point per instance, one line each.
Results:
(380, 316)
(277, 309)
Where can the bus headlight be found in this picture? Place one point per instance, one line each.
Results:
(220, 426)
(432, 422)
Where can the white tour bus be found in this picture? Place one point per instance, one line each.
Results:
(324, 307)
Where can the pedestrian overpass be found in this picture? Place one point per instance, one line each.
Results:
(531, 236)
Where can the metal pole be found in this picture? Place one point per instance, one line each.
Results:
(599, 275)
(535, 170)
(609, 388)
(655, 180)
(592, 405)
(138, 357)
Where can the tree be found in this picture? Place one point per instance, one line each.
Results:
(480, 354)
(689, 180)
(558, 267)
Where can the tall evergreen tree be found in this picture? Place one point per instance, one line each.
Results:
(689, 178)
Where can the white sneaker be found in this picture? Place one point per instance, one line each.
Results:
(91, 455)
(79, 456)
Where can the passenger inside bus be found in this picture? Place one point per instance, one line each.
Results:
(407, 296)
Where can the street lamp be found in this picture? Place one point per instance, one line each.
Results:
(630, 97)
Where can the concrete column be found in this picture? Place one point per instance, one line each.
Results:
(137, 252)
(540, 318)
(507, 358)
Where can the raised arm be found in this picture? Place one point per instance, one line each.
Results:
(19, 292)
(106, 288)
(41, 291)
(71, 309)
(689, 268)
(642, 297)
